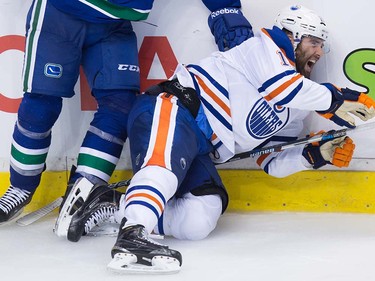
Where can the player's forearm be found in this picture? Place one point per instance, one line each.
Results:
(285, 163)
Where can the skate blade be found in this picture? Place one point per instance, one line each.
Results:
(12, 219)
(80, 190)
(126, 263)
(40, 213)
(111, 229)
(107, 229)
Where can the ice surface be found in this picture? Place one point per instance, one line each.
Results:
(244, 246)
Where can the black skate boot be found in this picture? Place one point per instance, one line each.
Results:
(135, 252)
(12, 203)
(99, 208)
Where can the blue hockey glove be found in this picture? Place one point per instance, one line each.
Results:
(345, 101)
(229, 27)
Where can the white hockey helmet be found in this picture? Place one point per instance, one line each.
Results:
(301, 21)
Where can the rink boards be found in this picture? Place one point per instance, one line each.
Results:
(253, 190)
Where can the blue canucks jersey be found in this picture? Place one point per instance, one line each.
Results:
(113, 10)
(105, 10)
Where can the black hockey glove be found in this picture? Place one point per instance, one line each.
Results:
(229, 27)
(345, 101)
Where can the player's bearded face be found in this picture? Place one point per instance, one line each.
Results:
(308, 52)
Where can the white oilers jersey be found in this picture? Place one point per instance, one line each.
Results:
(251, 93)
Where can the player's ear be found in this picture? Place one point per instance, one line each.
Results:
(290, 35)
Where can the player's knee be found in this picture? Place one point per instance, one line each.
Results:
(112, 114)
(200, 220)
(38, 113)
(159, 178)
(197, 227)
(119, 101)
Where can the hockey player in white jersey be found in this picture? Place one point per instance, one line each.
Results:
(86, 201)
(228, 103)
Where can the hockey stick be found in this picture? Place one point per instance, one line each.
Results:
(38, 214)
(330, 135)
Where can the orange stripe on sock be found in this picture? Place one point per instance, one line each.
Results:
(152, 198)
(157, 157)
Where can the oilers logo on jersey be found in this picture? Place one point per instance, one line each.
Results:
(265, 120)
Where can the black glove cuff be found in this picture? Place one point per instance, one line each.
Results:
(313, 156)
(187, 96)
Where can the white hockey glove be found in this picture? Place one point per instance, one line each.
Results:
(345, 101)
(337, 152)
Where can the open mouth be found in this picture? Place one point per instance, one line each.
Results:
(309, 66)
(311, 63)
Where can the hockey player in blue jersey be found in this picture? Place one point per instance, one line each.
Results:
(254, 94)
(61, 36)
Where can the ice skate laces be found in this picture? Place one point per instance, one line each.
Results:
(145, 237)
(12, 198)
(103, 214)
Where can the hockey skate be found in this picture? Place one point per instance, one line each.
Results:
(69, 187)
(97, 210)
(135, 252)
(12, 203)
(72, 202)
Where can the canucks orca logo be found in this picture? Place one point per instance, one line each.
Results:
(264, 121)
(53, 70)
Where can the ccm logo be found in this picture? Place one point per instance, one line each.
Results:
(128, 67)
